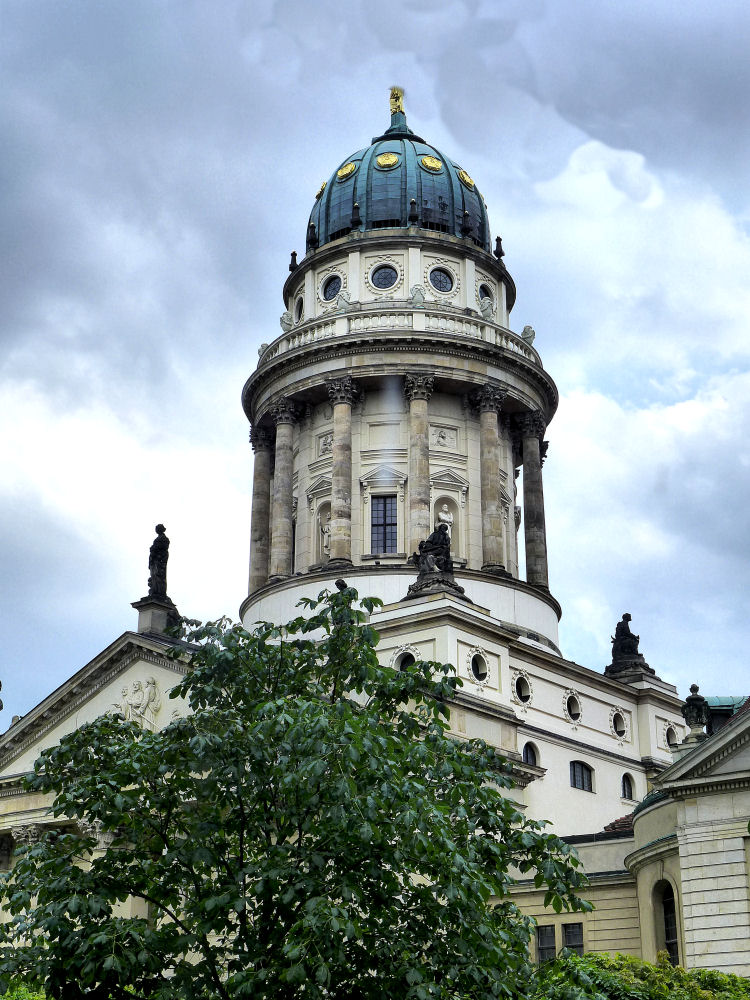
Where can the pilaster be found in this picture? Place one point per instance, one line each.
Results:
(418, 389)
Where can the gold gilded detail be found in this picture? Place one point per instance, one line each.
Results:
(386, 160)
(320, 190)
(432, 163)
(346, 171)
(464, 178)
(397, 100)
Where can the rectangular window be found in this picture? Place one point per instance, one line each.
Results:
(545, 943)
(384, 537)
(581, 776)
(573, 937)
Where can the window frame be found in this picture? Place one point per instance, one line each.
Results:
(586, 776)
(545, 953)
(378, 502)
(568, 929)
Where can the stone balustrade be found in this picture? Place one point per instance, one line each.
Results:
(334, 325)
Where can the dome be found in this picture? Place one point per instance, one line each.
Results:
(399, 180)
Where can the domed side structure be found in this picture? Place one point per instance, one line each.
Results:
(399, 181)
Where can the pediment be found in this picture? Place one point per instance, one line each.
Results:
(723, 757)
(319, 486)
(383, 475)
(131, 676)
(448, 477)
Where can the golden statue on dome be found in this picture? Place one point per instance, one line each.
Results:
(397, 100)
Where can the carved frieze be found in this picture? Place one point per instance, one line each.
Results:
(139, 703)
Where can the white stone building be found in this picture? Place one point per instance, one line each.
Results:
(397, 398)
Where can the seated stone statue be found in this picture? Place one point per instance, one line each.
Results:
(434, 554)
(624, 643)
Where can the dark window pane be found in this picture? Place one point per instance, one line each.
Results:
(627, 787)
(545, 943)
(529, 754)
(670, 925)
(573, 937)
(581, 776)
(384, 524)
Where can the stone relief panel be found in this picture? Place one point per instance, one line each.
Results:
(325, 444)
(139, 703)
(443, 437)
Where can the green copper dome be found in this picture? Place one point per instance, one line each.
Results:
(398, 181)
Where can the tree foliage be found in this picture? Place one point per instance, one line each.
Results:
(311, 829)
(622, 977)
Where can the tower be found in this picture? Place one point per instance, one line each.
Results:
(398, 398)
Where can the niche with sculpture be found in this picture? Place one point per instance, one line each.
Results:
(445, 511)
(323, 533)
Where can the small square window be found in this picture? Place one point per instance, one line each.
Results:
(573, 937)
(545, 943)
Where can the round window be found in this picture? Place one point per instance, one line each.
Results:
(574, 709)
(523, 691)
(299, 309)
(618, 724)
(332, 287)
(384, 276)
(479, 667)
(406, 661)
(485, 292)
(441, 279)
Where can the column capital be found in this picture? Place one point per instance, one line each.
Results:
(27, 835)
(490, 397)
(531, 424)
(341, 390)
(283, 411)
(261, 438)
(418, 386)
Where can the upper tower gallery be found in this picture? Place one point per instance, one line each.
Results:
(397, 397)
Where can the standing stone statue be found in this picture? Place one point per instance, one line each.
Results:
(157, 564)
(445, 517)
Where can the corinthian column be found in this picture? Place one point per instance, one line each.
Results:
(418, 389)
(490, 400)
(531, 427)
(260, 439)
(341, 392)
(283, 415)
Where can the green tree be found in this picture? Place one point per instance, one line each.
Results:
(623, 977)
(311, 829)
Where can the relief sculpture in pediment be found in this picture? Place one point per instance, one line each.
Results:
(140, 703)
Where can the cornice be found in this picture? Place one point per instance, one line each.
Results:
(413, 343)
(583, 746)
(656, 850)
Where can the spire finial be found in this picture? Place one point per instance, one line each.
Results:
(397, 100)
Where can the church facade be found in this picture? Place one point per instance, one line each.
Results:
(398, 422)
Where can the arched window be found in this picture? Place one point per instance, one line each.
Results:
(581, 776)
(529, 754)
(627, 787)
(665, 914)
(406, 661)
(671, 738)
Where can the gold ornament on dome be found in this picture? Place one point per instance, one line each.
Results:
(320, 190)
(386, 160)
(346, 171)
(397, 100)
(432, 163)
(465, 179)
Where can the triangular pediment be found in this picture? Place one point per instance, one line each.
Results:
(383, 474)
(721, 758)
(448, 477)
(319, 486)
(132, 676)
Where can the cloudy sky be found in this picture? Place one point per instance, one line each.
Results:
(159, 160)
